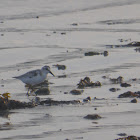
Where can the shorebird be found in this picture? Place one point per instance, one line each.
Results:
(34, 77)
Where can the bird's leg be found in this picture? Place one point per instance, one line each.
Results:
(33, 89)
(28, 91)
(29, 88)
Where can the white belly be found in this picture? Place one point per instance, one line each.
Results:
(34, 80)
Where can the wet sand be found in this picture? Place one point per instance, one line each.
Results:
(61, 32)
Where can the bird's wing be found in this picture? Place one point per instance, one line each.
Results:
(30, 74)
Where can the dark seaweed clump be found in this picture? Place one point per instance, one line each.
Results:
(129, 138)
(134, 101)
(13, 104)
(90, 53)
(129, 94)
(76, 92)
(86, 82)
(51, 102)
(125, 85)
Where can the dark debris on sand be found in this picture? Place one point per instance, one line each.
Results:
(130, 94)
(134, 101)
(76, 92)
(129, 138)
(114, 89)
(60, 67)
(87, 83)
(93, 117)
(51, 102)
(105, 53)
(131, 44)
(13, 104)
(125, 85)
(116, 80)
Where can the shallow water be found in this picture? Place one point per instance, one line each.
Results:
(29, 42)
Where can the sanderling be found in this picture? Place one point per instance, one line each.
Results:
(35, 77)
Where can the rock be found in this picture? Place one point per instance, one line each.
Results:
(125, 85)
(87, 99)
(114, 89)
(135, 79)
(37, 16)
(63, 33)
(74, 24)
(105, 53)
(60, 67)
(104, 77)
(134, 101)
(76, 92)
(93, 117)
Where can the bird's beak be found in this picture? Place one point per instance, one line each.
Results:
(51, 73)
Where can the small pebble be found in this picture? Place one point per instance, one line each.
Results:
(93, 116)
(125, 85)
(63, 33)
(134, 101)
(74, 24)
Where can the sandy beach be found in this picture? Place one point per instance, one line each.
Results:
(76, 34)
